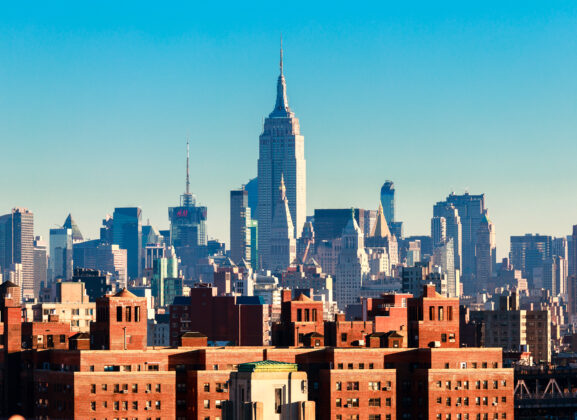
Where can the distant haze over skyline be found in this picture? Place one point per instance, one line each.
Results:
(96, 105)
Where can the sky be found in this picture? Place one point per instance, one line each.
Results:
(97, 102)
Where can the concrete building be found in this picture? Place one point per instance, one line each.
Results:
(281, 154)
(511, 328)
(269, 390)
(453, 228)
(104, 257)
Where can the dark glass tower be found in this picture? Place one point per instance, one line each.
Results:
(388, 201)
(127, 233)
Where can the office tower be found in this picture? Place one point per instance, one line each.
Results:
(485, 252)
(40, 265)
(127, 234)
(438, 230)
(187, 221)
(281, 153)
(282, 244)
(453, 227)
(352, 266)
(17, 246)
(104, 257)
(529, 253)
(69, 223)
(381, 237)
(414, 253)
(559, 275)
(163, 269)
(388, 200)
(470, 211)
(443, 257)
(252, 189)
(572, 279)
(240, 216)
(60, 263)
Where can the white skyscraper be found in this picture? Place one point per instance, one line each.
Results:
(281, 152)
(282, 240)
(352, 268)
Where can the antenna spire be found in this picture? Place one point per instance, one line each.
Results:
(187, 171)
(281, 64)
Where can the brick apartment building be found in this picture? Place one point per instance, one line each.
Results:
(132, 381)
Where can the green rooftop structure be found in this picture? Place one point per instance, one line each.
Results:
(267, 366)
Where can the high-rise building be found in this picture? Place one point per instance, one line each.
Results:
(282, 244)
(443, 257)
(187, 221)
(352, 268)
(453, 228)
(470, 210)
(240, 217)
(102, 256)
(127, 233)
(40, 264)
(529, 253)
(17, 246)
(329, 223)
(388, 200)
(164, 269)
(438, 230)
(485, 252)
(60, 263)
(69, 223)
(281, 153)
(572, 280)
(252, 189)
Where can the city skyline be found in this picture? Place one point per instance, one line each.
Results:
(505, 87)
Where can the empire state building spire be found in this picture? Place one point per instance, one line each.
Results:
(281, 108)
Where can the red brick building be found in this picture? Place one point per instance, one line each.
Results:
(238, 320)
(191, 382)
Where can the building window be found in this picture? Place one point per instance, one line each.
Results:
(449, 313)
(135, 405)
(134, 387)
(431, 313)
(361, 365)
(344, 337)
(206, 404)
(340, 366)
(374, 417)
(444, 338)
(352, 402)
(338, 402)
(104, 387)
(278, 399)
(125, 405)
(137, 314)
(218, 404)
(388, 402)
(352, 386)
(371, 366)
(338, 386)
(374, 386)
(350, 366)
(93, 389)
(441, 313)
(119, 314)
(374, 402)
(299, 315)
(206, 387)
(158, 405)
(62, 338)
(93, 405)
(158, 388)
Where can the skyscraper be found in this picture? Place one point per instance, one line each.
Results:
(240, 217)
(60, 263)
(453, 228)
(388, 200)
(40, 264)
(438, 230)
(127, 233)
(17, 246)
(188, 221)
(281, 153)
(529, 253)
(352, 268)
(471, 209)
(485, 252)
(282, 248)
(71, 224)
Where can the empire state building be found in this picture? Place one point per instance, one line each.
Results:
(281, 155)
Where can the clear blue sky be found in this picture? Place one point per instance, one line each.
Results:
(96, 102)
